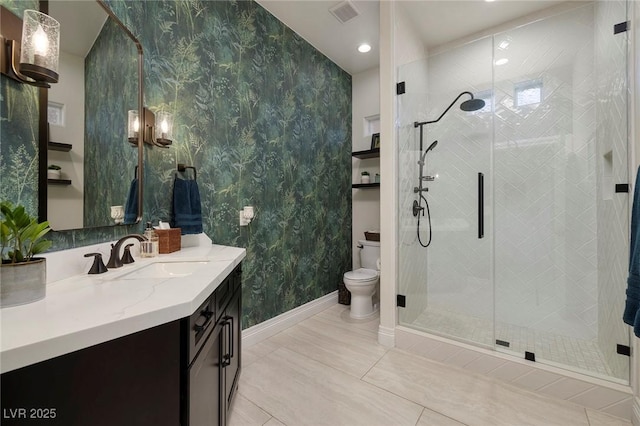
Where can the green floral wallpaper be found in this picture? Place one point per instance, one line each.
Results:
(111, 89)
(19, 133)
(266, 120)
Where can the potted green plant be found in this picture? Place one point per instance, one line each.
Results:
(23, 277)
(365, 177)
(54, 171)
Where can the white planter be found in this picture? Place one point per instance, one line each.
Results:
(53, 174)
(22, 283)
(365, 179)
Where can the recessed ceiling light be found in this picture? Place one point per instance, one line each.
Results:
(501, 61)
(364, 48)
(489, 1)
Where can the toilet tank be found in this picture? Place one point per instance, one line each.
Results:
(369, 254)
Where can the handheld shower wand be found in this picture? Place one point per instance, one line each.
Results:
(417, 204)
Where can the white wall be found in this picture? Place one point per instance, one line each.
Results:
(365, 90)
(399, 44)
(65, 203)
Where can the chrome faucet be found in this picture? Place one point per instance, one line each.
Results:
(115, 261)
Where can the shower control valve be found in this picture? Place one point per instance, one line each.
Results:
(416, 189)
(417, 208)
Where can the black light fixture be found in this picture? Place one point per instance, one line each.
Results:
(157, 131)
(29, 47)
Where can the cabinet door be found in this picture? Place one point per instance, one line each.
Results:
(204, 382)
(233, 329)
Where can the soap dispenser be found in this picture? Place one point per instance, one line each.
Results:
(150, 248)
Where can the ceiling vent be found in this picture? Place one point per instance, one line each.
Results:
(344, 11)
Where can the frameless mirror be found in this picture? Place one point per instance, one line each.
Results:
(92, 176)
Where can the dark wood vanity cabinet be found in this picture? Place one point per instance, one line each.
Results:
(145, 378)
(212, 368)
(133, 380)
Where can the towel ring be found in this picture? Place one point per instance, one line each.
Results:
(183, 168)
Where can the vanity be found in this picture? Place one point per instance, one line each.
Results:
(152, 343)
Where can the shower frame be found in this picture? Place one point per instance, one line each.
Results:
(494, 342)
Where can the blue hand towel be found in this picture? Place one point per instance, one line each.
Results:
(131, 208)
(631, 314)
(187, 210)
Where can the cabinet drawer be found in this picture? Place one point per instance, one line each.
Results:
(223, 295)
(226, 290)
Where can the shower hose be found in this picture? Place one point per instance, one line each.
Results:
(426, 203)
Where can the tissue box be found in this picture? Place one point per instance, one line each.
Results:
(371, 236)
(169, 240)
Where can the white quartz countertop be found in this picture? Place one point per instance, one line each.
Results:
(85, 310)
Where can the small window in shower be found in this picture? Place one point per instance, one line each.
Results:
(528, 93)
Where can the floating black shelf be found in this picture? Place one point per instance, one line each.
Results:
(58, 146)
(59, 181)
(369, 153)
(366, 185)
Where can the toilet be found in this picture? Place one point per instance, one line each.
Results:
(363, 283)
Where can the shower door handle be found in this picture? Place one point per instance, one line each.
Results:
(480, 205)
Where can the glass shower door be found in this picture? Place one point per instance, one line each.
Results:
(448, 285)
(550, 199)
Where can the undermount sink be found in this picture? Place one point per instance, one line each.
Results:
(163, 269)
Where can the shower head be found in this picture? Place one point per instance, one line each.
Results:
(468, 106)
(433, 145)
(472, 104)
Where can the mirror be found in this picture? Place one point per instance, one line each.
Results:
(100, 81)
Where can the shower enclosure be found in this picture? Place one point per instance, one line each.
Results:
(546, 159)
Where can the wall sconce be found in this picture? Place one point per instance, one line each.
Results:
(164, 122)
(161, 125)
(29, 47)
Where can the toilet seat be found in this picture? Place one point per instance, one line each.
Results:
(361, 276)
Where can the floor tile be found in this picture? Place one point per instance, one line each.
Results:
(246, 413)
(300, 391)
(341, 351)
(431, 418)
(257, 351)
(597, 418)
(329, 370)
(345, 350)
(468, 398)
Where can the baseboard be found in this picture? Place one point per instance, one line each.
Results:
(387, 336)
(275, 325)
(635, 412)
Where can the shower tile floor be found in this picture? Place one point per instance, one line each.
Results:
(583, 355)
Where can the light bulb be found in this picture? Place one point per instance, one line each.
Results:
(164, 126)
(136, 125)
(364, 48)
(40, 42)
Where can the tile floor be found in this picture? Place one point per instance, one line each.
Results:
(583, 355)
(330, 370)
